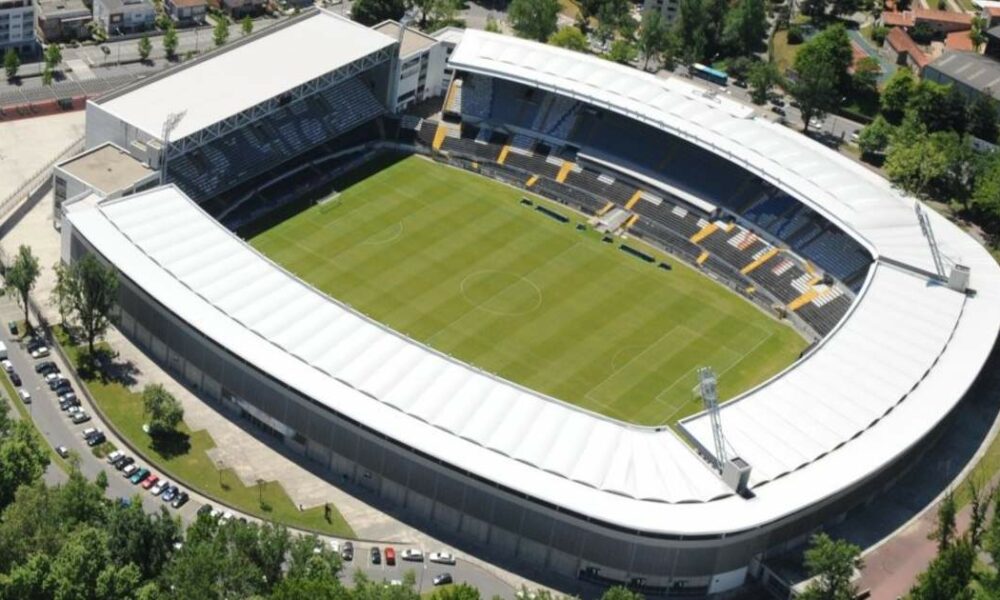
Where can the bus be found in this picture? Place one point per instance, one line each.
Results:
(709, 74)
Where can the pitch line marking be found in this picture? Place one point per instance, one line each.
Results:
(517, 278)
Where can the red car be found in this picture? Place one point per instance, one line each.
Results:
(150, 481)
(390, 556)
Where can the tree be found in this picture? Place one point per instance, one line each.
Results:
(977, 34)
(620, 593)
(865, 77)
(47, 75)
(433, 13)
(813, 8)
(164, 411)
(145, 48)
(986, 204)
(22, 457)
(220, 34)
(692, 30)
(844, 7)
(763, 76)
(874, 138)
(821, 73)
(939, 165)
(745, 26)
(462, 591)
(935, 107)
(533, 19)
(170, 41)
(246, 25)
(622, 51)
(653, 36)
(739, 67)
(21, 277)
(832, 563)
(101, 480)
(371, 12)
(89, 291)
(492, 25)
(11, 63)
(569, 37)
(896, 94)
(948, 575)
(53, 56)
(983, 119)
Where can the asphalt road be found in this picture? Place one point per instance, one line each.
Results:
(59, 430)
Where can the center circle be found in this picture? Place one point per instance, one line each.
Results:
(384, 236)
(501, 292)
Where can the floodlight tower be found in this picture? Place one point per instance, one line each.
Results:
(169, 124)
(707, 385)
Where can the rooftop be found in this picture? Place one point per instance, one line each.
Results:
(942, 16)
(979, 72)
(53, 8)
(262, 67)
(413, 40)
(958, 40)
(107, 168)
(893, 18)
(901, 42)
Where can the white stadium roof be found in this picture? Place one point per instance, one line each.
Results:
(897, 364)
(246, 74)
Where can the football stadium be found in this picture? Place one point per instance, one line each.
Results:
(569, 316)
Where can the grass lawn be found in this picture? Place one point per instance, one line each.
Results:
(183, 458)
(454, 260)
(783, 53)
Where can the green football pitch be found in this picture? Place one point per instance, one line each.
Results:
(456, 261)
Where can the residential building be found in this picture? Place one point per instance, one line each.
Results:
(17, 31)
(62, 20)
(240, 8)
(421, 64)
(119, 17)
(669, 8)
(900, 48)
(972, 74)
(940, 21)
(186, 12)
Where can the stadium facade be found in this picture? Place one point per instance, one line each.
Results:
(915, 303)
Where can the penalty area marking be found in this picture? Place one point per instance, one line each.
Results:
(395, 231)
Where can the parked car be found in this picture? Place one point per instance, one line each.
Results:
(12, 327)
(150, 481)
(7, 365)
(169, 493)
(123, 462)
(139, 476)
(62, 451)
(376, 556)
(80, 417)
(180, 501)
(41, 352)
(25, 396)
(442, 579)
(442, 558)
(55, 380)
(89, 432)
(778, 110)
(390, 556)
(412, 554)
(15, 379)
(33, 344)
(206, 510)
(114, 456)
(96, 439)
(46, 366)
(130, 469)
(160, 487)
(68, 401)
(347, 552)
(335, 546)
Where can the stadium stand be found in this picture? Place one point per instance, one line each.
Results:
(224, 163)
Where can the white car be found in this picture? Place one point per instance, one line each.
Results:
(40, 352)
(442, 558)
(335, 546)
(7, 365)
(159, 487)
(115, 456)
(412, 554)
(25, 396)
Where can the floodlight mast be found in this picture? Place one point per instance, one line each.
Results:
(169, 124)
(707, 385)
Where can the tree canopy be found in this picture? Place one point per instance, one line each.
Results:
(533, 19)
(161, 408)
(569, 37)
(832, 564)
(86, 292)
(21, 276)
(372, 12)
(821, 75)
